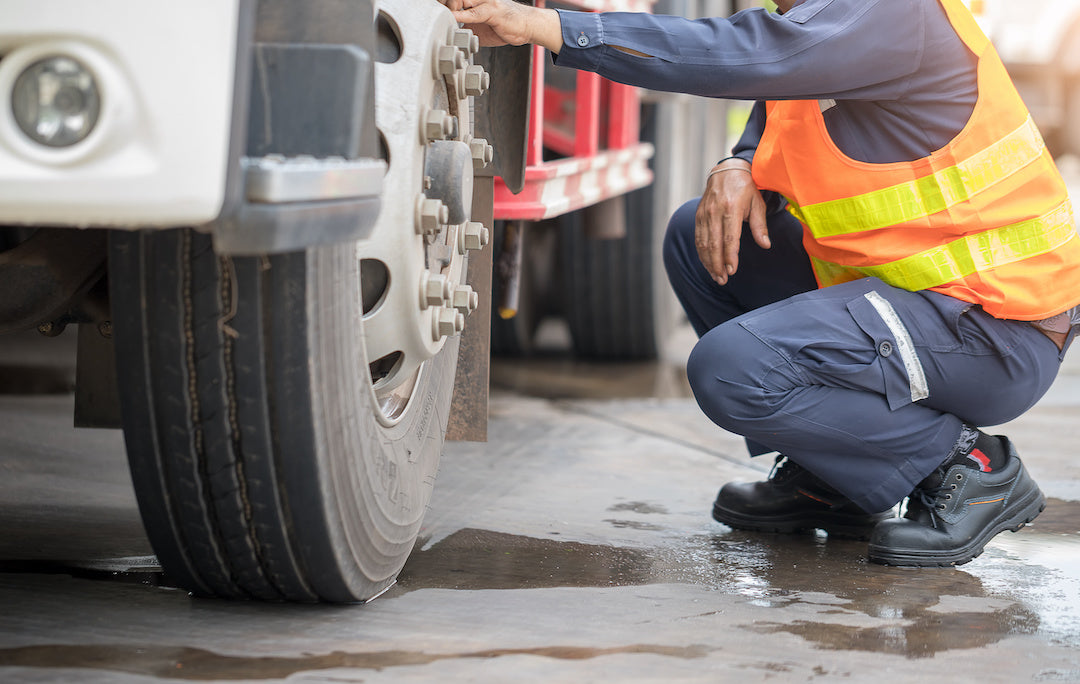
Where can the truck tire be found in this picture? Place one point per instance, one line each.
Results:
(260, 458)
(284, 414)
(618, 302)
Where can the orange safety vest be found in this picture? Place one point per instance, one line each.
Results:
(986, 219)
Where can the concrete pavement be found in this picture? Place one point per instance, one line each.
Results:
(575, 546)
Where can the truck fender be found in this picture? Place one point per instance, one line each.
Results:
(502, 115)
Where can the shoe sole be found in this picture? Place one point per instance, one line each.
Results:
(840, 526)
(1026, 511)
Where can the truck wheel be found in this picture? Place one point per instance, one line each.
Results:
(265, 463)
(618, 302)
(284, 414)
(617, 299)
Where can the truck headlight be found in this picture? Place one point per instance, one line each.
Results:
(56, 101)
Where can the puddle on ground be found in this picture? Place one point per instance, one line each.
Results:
(1027, 583)
(638, 507)
(193, 664)
(819, 589)
(479, 559)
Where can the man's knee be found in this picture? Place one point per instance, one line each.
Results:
(725, 370)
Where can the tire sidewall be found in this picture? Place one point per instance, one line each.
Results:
(371, 482)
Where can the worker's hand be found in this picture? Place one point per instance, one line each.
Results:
(505, 22)
(730, 199)
(495, 22)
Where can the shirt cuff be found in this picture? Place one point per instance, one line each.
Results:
(746, 155)
(583, 38)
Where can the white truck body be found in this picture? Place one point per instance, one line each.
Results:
(157, 156)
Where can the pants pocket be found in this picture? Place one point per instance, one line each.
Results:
(846, 336)
(903, 374)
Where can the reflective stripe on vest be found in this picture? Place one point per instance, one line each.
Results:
(966, 256)
(928, 195)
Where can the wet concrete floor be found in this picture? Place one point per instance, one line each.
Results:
(574, 546)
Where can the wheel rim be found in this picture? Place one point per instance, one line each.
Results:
(417, 298)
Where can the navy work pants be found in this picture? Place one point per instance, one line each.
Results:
(863, 384)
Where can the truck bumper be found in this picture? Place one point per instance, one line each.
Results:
(199, 125)
(157, 155)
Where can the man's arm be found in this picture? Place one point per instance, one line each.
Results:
(843, 49)
(751, 136)
(820, 49)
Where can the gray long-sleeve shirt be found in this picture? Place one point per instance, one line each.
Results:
(903, 82)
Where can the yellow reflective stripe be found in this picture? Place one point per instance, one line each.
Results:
(927, 195)
(965, 256)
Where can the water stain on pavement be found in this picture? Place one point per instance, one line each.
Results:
(824, 589)
(920, 635)
(193, 664)
(642, 507)
(819, 589)
(633, 525)
(639, 507)
(480, 559)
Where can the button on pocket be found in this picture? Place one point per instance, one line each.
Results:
(900, 389)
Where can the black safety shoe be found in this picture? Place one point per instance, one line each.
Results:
(954, 512)
(792, 500)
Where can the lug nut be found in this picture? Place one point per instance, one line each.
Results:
(447, 322)
(434, 289)
(431, 216)
(465, 299)
(476, 81)
(438, 125)
(474, 236)
(448, 60)
(466, 41)
(482, 152)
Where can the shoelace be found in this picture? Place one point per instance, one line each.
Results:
(933, 498)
